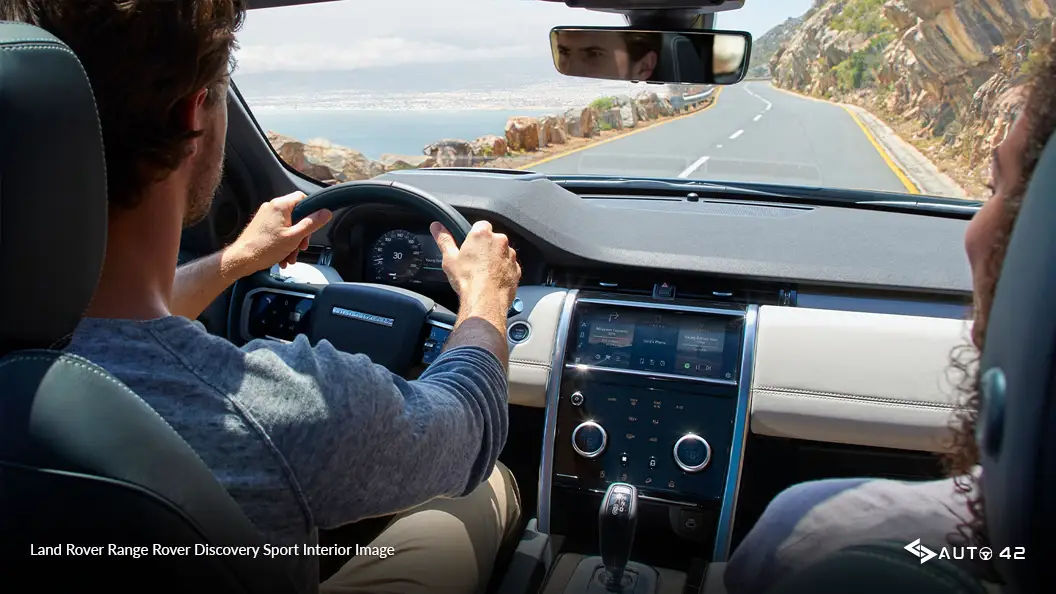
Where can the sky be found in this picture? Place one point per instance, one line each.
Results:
(351, 34)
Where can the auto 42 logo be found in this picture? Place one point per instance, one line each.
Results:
(983, 553)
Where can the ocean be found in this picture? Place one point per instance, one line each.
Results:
(401, 110)
(374, 132)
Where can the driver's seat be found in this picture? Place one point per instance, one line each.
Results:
(83, 460)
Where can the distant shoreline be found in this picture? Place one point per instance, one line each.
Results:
(521, 141)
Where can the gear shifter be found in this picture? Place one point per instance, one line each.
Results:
(614, 572)
(617, 521)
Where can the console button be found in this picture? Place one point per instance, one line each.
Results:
(589, 439)
(518, 332)
(692, 452)
(576, 398)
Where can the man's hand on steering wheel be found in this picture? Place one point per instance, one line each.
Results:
(484, 272)
(484, 269)
(272, 238)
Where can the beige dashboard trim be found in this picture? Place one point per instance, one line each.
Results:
(531, 361)
(857, 378)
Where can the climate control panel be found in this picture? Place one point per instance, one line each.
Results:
(670, 439)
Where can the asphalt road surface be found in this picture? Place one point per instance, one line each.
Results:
(753, 132)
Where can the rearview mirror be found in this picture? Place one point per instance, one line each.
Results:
(617, 53)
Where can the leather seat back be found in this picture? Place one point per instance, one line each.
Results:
(83, 460)
(1017, 424)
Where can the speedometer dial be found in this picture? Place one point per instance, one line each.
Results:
(396, 257)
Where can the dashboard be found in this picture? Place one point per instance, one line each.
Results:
(654, 366)
(846, 296)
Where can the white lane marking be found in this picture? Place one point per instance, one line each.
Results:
(718, 146)
(768, 104)
(757, 118)
(736, 134)
(696, 165)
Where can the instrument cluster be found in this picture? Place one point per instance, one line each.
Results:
(388, 245)
(404, 257)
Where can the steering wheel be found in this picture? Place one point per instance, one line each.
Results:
(386, 323)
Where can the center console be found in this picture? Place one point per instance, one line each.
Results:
(652, 394)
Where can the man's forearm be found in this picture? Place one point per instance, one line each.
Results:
(482, 323)
(199, 282)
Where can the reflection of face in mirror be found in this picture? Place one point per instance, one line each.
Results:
(600, 54)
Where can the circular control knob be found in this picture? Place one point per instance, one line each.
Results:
(589, 439)
(692, 452)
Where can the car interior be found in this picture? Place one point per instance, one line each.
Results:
(793, 361)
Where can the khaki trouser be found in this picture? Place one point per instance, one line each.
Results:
(445, 545)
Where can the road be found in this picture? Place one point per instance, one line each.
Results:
(753, 132)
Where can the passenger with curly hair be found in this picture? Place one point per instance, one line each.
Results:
(809, 521)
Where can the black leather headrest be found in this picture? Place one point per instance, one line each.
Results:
(679, 60)
(1017, 424)
(52, 188)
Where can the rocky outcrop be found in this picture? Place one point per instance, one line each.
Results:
(552, 131)
(953, 68)
(610, 119)
(808, 60)
(489, 147)
(650, 104)
(767, 44)
(946, 50)
(628, 116)
(324, 160)
(397, 162)
(666, 109)
(451, 152)
(581, 123)
(522, 133)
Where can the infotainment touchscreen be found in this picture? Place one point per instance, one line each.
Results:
(686, 343)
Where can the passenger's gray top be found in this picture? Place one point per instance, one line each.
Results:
(816, 244)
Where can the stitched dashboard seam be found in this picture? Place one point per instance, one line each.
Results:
(530, 363)
(895, 402)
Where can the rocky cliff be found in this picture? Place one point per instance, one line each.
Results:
(768, 44)
(949, 73)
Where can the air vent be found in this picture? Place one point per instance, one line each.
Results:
(643, 283)
(696, 204)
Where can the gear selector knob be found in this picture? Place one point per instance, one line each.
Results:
(617, 521)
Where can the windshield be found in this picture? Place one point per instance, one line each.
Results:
(835, 98)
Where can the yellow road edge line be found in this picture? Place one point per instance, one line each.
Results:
(899, 173)
(718, 91)
(910, 186)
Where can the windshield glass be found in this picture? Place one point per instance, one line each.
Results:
(846, 94)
